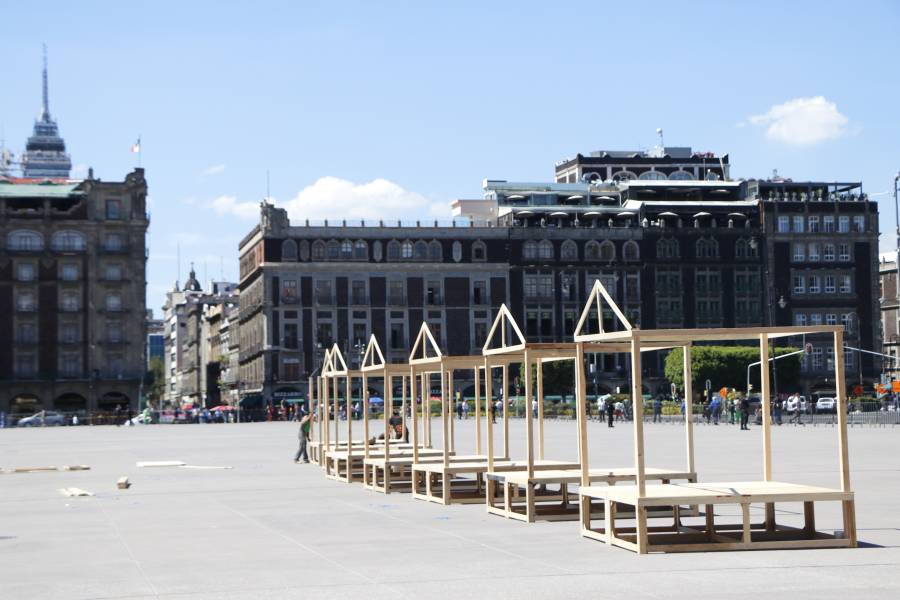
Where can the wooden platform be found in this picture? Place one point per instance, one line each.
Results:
(546, 496)
(463, 482)
(394, 474)
(710, 535)
(346, 466)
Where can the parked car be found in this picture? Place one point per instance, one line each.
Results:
(42, 418)
(792, 401)
(826, 405)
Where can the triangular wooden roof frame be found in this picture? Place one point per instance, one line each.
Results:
(373, 359)
(424, 340)
(503, 315)
(334, 365)
(596, 299)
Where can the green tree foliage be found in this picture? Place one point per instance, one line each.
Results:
(558, 376)
(155, 380)
(726, 366)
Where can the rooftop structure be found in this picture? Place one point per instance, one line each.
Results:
(45, 152)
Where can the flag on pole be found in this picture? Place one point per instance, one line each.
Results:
(136, 147)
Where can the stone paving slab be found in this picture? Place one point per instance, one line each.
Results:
(271, 529)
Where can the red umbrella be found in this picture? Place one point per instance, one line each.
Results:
(222, 407)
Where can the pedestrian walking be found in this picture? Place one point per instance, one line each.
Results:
(534, 407)
(716, 408)
(303, 436)
(657, 409)
(459, 409)
(745, 413)
(465, 410)
(610, 412)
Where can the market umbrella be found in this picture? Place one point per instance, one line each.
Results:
(375, 400)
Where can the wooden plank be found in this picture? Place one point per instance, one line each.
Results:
(477, 410)
(539, 366)
(451, 406)
(529, 420)
(688, 407)
(445, 418)
(489, 423)
(638, 404)
(505, 397)
(581, 408)
(765, 386)
(123, 483)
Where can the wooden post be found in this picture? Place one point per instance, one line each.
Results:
(640, 479)
(365, 402)
(766, 403)
(505, 396)
(425, 380)
(336, 410)
(477, 410)
(581, 408)
(689, 407)
(540, 399)
(451, 405)
(348, 390)
(848, 506)
(446, 417)
(529, 421)
(388, 380)
(414, 414)
(404, 406)
(489, 399)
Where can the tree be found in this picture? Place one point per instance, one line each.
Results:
(726, 366)
(155, 380)
(558, 376)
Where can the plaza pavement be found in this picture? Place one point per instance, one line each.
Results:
(271, 529)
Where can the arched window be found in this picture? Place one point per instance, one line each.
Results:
(304, 250)
(631, 251)
(707, 248)
(68, 241)
(24, 239)
(712, 176)
(623, 176)
(346, 249)
(744, 249)
(681, 176)
(393, 250)
(420, 250)
(592, 250)
(545, 250)
(333, 250)
(435, 251)
(288, 250)
(479, 251)
(607, 250)
(318, 250)
(406, 249)
(360, 250)
(667, 248)
(569, 250)
(530, 250)
(652, 176)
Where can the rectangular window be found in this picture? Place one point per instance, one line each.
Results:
(846, 284)
(25, 365)
(289, 291)
(26, 272)
(26, 333)
(397, 292)
(799, 284)
(291, 338)
(817, 358)
(828, 255)
(481, 330)
(843, 224)
(800, 319)
(632, 288)
(68, 272)
(433, 292)
(814, 252)
(479, 293)
(831, 319)
(114, 332)
(813, 283)
(112, 272)
(844, 252)
(798, 224)
(546, 323)
(830, 287)
(859, 224)
(70, 365)
(847, 322)
(784, 225)
(324, 333)
(828, 223)
(68, 333)
(113, 302)
(113, 208)
(531, 323)
(398, 336)
(113, 242)
(360, 333)
(324, 291)
(358, 294)
(290, 369)
(799, 252)
(815, 319)
(848, 359)
(814, 224)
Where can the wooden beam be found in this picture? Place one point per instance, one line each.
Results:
(451, 406)
(477, 411)
(540, 395)
(445, 418)
(489, 400)
(688, 407)
(505, 397)
(638, 400)
(765, 387)
(529, 420)
(841, 388)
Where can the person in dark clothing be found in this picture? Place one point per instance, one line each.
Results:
(745, 413)
(610, 412)
(303, 435)
(396, 424)
(657, 408)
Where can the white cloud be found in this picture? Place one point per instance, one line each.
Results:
(229, 205)
(334, 198)
(803, 121)
(213, 170)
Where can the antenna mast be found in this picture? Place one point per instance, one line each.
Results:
(45, 106)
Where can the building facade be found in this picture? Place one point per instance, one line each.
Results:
(72, 293)
(675, 240)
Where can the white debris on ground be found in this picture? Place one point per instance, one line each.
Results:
(74, 491)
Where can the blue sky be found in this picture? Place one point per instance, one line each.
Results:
(400, 107)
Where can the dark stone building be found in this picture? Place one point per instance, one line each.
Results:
(675, 241)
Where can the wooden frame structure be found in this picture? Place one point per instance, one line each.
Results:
(642, 498)
(539, 488)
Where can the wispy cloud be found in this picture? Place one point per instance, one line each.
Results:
(213, 170)
(336, 198)
(803, 121)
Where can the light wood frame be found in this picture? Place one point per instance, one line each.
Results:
(642, 497)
